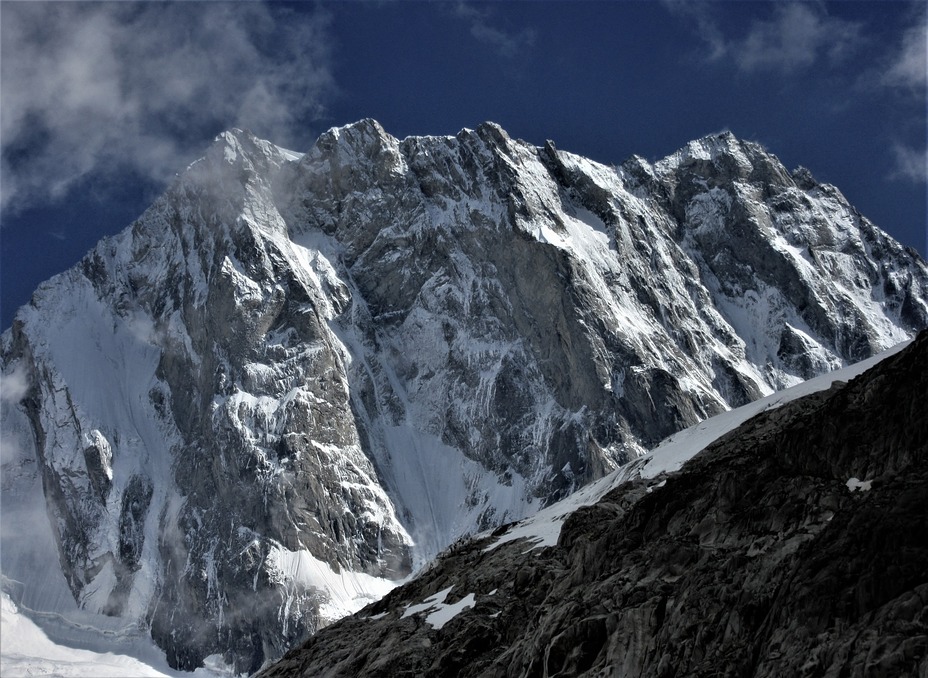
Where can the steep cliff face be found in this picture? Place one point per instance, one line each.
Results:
(296, 378)
(793, 545)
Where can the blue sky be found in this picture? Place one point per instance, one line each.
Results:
(101, 104)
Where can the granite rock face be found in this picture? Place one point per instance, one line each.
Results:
(797, 544)
(297, 378)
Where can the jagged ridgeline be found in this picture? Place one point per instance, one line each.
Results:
(296, 378)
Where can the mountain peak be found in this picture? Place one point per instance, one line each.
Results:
(365, 127)
(803, 178)
(710, 148)
(360, 142)
(724, 157)
(289, 383)
(494, 132)
(236, 154)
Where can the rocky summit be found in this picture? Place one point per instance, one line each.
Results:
(795, 545)
(296, 378)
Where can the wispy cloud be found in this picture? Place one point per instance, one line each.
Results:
(700, 16)
(797, 36)
(911, 163)
(507, 43)
(908, 66)
(14, 385)
(86, 85)
(792, 37)
(13, 388)
(902, 71)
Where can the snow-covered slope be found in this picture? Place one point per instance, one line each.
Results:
(296, 378)
(544, 528)
(793, 544)
(27, 650)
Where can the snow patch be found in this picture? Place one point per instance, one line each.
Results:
(440, 613)
(445, 613)
(428, 604)
(854, 484)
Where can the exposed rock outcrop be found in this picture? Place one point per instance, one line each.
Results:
(795, 545)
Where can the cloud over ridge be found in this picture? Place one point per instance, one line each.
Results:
(87, 85)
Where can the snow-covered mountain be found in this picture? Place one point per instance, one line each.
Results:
(791, 543)
(296, 378)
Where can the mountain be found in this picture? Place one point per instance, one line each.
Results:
(296, 378)
(794, 545)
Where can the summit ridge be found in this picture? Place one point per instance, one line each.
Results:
(296, 378)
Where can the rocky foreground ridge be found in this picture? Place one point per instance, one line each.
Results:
(796, 545)
(298, 377)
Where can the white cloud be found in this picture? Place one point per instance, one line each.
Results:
(14, 385)
(795, 37)
(11, 452)
(904, 72)
(507, 43)
(86, 85)
(909, 66)
(699, 16)
(141, 328)
(911, 163)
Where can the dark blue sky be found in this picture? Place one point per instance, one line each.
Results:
(101, 104)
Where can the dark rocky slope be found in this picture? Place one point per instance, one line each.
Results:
(760, 558)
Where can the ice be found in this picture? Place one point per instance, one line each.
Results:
(593, 221)
(42, 630)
